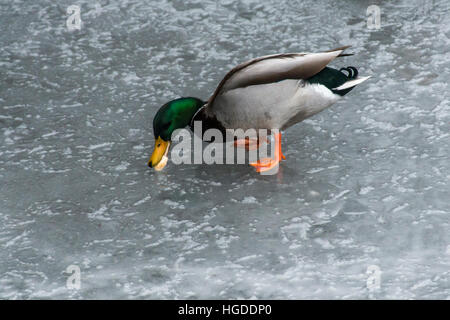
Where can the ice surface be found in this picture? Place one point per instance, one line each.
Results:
(366, 183)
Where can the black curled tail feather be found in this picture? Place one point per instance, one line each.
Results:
(352, 72)
(333, 78)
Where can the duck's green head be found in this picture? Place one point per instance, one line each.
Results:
(175, 114)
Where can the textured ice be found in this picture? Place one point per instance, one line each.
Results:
(366, 183)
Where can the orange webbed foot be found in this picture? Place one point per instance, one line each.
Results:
(266, 164)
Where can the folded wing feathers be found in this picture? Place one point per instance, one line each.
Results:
(277, 67)
(290, 66)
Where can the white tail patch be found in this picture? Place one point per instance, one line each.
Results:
(352, 83)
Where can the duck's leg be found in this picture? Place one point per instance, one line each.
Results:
(249, 143)
(266, 164)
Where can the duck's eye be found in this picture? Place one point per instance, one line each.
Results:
(159, 144)
(165, 126)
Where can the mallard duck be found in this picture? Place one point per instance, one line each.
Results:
(269, 92)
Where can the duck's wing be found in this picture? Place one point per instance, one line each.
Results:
(274, 68)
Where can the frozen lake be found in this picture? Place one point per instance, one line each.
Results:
(364, 193)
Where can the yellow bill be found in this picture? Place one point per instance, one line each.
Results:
(159, 158)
